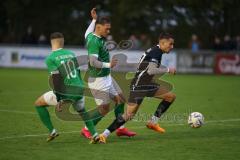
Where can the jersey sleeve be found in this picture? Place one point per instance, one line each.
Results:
(154, 56)
(50, 65)
(93, 48)
(90, 28)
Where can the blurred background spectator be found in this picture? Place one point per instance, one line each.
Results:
(42, 40)
(237, 43)
(145, 19)
(227, 43)
(145, 42)
(29, 37)
(194, 43)
(217, 44)
(135, 42)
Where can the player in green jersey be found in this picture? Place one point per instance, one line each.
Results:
(103, 87)
(61, 58)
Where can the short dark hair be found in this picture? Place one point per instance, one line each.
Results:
(103, 20)
(165, 35)
(56, 35)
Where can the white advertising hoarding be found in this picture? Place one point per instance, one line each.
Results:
(33, 57)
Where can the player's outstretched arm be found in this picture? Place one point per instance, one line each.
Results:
(153, 69)
(92, 24)
(93, 60)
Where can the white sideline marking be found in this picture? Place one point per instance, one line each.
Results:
(69, 132)
(44, 134)
(33, 113)
(224, 120)
(20, 112)
(139, 127)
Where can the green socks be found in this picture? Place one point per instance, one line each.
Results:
(95, 121)
(96, 116)
(89, 123)
(119, 109)
(45, 117)
(91, 127)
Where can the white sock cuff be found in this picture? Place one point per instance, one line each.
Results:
(106, 133)
(121, 127)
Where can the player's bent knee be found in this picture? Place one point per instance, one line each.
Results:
(104, 109)
(119, 99)
(170, 97)
(40, 102)
(173, 96)
(36, 103)
(122, 98)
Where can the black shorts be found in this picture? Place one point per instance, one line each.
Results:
(138, 93)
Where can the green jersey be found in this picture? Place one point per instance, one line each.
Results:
(65, 62)
(96, 47)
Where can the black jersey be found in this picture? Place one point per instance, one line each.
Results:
(154, 55)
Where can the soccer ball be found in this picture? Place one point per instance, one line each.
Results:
(195, 120)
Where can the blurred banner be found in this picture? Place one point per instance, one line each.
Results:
(27, 57)
(195, 63)
(227, 64)
(33, 57)
(23, 57)
(204, 62)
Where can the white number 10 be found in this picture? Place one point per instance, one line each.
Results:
(71, 73)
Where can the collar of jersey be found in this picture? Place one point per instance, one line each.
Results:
(56, 49)
(160, 48)
(97, 35)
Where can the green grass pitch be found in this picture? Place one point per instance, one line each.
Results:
(22, 136)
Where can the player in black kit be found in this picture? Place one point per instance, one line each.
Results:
(143, 85)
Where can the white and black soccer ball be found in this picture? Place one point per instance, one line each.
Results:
(195, 120)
